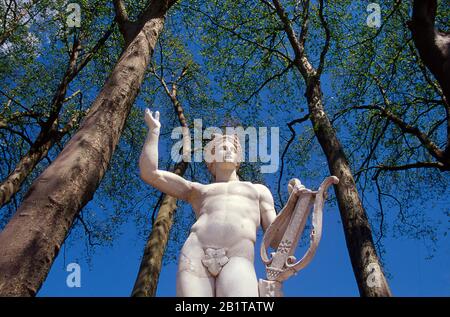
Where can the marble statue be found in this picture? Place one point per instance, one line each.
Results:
(217, 258)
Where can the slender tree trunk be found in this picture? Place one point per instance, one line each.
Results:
(150, 268)
(434, 50)
(11, 185)
(31, 240)
(39, 150)
(148, 275)
(432, 44)
(358, 235)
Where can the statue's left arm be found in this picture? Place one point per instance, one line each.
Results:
(268, 213)
(266, 206)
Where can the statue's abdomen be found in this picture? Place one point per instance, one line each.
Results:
(223, 228)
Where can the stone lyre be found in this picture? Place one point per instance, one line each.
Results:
(284, 233)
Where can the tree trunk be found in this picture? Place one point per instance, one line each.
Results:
(366, 266)
(434, 50)
(148, 275)
(31, 240)
(358, 235)
(39, 150)
(11, 185)
(48, 134)
(433, 45)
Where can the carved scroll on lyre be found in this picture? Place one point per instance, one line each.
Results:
(284, 233)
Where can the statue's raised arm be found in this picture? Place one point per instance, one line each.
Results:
(167, 182)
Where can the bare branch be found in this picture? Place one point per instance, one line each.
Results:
(305, 23)
(74, 120)
(292, 36)
(172, 94)
(239, 36)
(87, 58)
(121, 11)
(432, 148)
(76, 93)
(327, 39)
(15, 101)
(288, 144)
(19, 133)
(380, 204)
(373, 147)
(380, 29)
(277, 75)
(87, 230)
(438, 165)
(268, 4)
(126, 27)
(301, 61)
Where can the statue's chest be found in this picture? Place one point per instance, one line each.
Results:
(228, 200)
(236, 190)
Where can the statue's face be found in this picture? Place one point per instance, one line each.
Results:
(226, 152)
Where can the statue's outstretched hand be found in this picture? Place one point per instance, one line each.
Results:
(152, 121)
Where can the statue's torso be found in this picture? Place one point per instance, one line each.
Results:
(228, 215)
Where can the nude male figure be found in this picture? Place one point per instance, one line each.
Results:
(217, 258)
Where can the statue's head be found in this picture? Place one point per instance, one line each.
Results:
(223, 151)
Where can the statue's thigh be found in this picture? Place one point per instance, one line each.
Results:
(237, 278)
(191, 285)
(193, 279)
